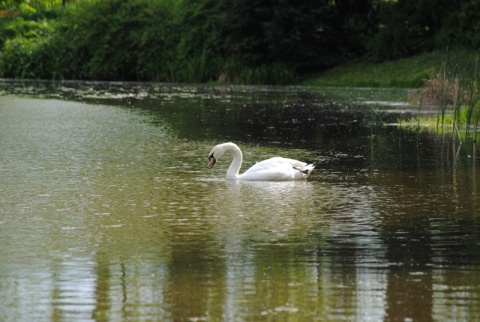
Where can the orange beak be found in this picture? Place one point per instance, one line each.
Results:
(211, 161)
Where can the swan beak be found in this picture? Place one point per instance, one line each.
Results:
(211, 161)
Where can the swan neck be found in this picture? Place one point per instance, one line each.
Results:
(234, 169)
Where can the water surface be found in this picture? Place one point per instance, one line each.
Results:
(108, 213)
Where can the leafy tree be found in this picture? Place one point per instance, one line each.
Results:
(118, 39)
(290, 32)
(460, 26)
(408, 27)
(354, 23)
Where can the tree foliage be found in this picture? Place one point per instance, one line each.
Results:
(245, 41)
(408, 27)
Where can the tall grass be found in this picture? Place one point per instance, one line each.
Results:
(453, 91)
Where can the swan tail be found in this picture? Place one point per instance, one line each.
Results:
(305, 170)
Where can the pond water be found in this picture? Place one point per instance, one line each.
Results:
(108, 212)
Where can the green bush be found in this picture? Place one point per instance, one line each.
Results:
(240, 41)
(117, 39)
(163, 40)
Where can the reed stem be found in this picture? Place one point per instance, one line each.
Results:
(475, 94)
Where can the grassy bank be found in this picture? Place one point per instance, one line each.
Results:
(409, 72)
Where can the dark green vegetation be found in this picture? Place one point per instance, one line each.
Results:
(237, 41)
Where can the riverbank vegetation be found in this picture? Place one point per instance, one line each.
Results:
(453, 92)
(235, 41)
(409, 72)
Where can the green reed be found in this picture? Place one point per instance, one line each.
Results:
(453, 91)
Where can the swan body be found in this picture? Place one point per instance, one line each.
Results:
(273, 169)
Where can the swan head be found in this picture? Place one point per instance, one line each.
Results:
(218, 151)
(211, 161)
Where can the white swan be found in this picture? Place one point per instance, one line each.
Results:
(273, 169)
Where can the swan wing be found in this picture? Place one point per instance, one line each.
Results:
(277, 169)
